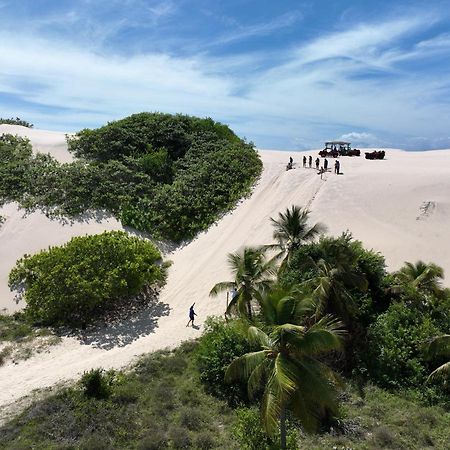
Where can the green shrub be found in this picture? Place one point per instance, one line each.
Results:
(154, 440)
(73, 283)
(250, 434)
(96, 384)
(220, 344)
(395, 357)
(171, 175)
(205, 440)
(179, 437)
(191, 418)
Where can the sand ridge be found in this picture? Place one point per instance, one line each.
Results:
(378, 201)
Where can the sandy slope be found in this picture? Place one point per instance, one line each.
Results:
(53, 142)
(379, 201)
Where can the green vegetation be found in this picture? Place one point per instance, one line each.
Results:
(16, 121)
(440, 346)
(331, 351)
(168, 175)
(388, 319)
(19, 339)
(252, 277)
(161, 403)
(88, 275)
(286, 367)
(158, 404)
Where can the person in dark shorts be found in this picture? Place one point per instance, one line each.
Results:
(317, 163)
(310, 161)
(325, 164)
(304, 161)
(191, 315)
(337, 166)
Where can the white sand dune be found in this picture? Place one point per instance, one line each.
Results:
(53, 142)
(399, 206)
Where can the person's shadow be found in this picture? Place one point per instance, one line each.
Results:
(196, 327)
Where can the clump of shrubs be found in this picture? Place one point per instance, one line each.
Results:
(220, 344)
(16, 121)
(74, 283)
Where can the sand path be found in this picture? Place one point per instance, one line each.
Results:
(400, 206)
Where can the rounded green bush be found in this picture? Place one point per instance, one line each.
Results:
(73, 283)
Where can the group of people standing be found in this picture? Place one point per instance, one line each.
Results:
(337, 164)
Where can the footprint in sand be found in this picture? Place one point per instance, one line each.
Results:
(426, 209)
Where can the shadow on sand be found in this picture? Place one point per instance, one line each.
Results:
(136, 318)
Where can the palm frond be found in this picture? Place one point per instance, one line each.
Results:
(271, 406)
(257, 378)
(221, 287)
(441, 373)
(438, 346)
(323, 336)
(285, 374)
(257, 336)
(242, 367)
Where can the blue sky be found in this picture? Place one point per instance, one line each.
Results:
(285, 75)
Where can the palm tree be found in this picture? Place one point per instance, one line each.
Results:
(292, 230)
(330, 288)
(253, 275)
(286, 366)
(440, 346)
(426, 278)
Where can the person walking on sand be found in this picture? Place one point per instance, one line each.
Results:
(304, 161)
(317, 163)
(325, 164)
(310, 161)
(337, 166)
(191, 315)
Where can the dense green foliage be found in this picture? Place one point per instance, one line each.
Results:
(221, 343)
(159, 404)
(169, 175)
(16, 121)
(73, 283)
(390, 321)
(397, 338)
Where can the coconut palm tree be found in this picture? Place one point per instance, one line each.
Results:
(286, 367)
(292, 230)
(426, 278)
(330, 289)
(253, 275)
(440, 346)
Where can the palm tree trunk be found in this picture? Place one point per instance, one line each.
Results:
(283, 428)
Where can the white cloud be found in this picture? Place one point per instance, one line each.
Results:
(362, 139)
(311, 96)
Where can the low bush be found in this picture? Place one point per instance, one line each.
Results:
(395, 355)
(219, 345)
(96, 384)
(251, 435)
(73, 283)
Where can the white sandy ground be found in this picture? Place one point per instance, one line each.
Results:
(379, 201)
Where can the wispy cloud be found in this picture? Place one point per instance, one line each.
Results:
(367, 84)
(241, 32)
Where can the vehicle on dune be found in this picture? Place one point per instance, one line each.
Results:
(334, 149)
(376, 154)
